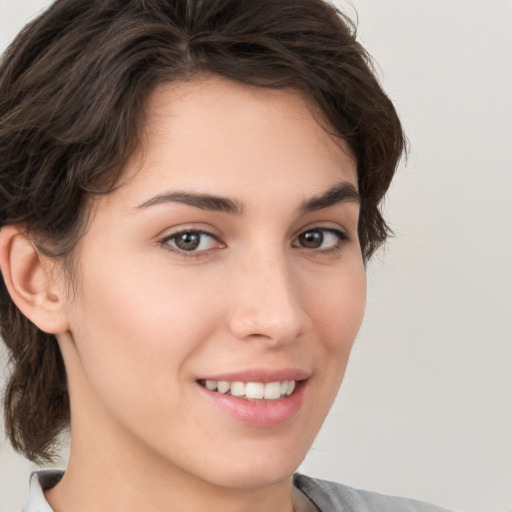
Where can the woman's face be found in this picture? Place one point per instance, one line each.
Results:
(230, 254)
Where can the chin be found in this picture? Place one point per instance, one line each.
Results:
(255, 478)
(258, 470)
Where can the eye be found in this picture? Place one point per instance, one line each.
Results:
(191, 241)
(320, 238)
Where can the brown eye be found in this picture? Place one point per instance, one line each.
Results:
(321, 238)
(191, 241)
(311, 239)
(188, 241)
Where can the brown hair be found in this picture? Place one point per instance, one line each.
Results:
(73, 87)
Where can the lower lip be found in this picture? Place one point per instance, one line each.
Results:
(259, 413)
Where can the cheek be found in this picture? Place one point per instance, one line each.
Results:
(337, 309)
(133, 332)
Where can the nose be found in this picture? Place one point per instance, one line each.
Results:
(267, 303)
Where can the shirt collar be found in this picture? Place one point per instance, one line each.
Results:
(39, 482)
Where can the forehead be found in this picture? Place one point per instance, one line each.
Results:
(219, 134)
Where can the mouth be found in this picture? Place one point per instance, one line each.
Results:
(251, 391)
(257, 398)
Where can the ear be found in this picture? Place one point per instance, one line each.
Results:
(30, 281)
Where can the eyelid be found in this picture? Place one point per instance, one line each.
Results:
(341, 234)
(187, 227)
(163, 241)
(332, 227)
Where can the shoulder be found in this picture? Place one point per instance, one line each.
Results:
(330, 496)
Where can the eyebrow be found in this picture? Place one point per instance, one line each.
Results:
(201, 201)
(340, 193)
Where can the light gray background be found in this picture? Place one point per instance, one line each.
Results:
(426, 407)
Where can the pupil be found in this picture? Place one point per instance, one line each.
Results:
(188, 241)
(311, 239)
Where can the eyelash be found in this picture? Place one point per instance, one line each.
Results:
(182, 252)
(342, 237)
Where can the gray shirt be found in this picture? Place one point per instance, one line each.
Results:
(326, 496)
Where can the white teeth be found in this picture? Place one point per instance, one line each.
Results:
(223, 386)
(272, 391)
(212, 384)
(238, 388)
(253, 390)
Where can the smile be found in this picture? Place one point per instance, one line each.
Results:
(251, 390)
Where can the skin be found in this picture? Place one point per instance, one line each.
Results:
(148, 319)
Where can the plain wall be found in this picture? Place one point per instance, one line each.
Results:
(426, 406)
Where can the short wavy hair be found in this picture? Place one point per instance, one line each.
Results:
(73, 88)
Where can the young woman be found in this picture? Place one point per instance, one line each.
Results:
(189, 191)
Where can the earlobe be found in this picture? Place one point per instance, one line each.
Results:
(31, 285)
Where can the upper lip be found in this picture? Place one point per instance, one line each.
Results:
(263, 375)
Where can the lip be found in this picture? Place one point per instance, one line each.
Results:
(259, 413)
(261, 375)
